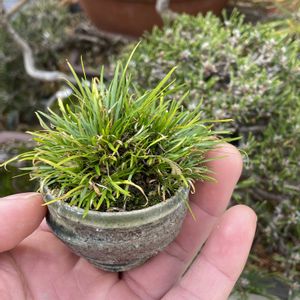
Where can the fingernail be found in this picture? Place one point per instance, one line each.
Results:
(21, 196)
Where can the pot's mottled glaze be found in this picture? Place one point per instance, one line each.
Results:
(118, 241)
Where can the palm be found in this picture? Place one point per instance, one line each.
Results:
(42, 267)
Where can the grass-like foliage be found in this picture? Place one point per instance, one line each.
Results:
(113, 149)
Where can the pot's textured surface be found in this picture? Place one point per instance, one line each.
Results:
(118, 241)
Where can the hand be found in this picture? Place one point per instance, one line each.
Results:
(34, 264)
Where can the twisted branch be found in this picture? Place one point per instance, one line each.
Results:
(163, 9)
(27, 53)
(255, 128)
(16, 8)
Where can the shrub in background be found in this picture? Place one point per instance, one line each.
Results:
(42, 24)
(251, 74)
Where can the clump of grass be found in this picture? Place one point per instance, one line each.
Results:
(117, 149)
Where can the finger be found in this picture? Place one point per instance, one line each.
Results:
(20, 215)
(44, 226)
(215, 271)
(208, 203)
(213, 197)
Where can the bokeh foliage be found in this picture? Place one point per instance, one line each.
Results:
(42, 24)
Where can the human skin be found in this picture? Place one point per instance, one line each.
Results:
(34, 264)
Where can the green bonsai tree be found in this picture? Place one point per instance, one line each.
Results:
(250, 73)
(114, 149)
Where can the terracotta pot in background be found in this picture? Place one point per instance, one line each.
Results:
(133, 17)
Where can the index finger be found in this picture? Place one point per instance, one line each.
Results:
(20, 215)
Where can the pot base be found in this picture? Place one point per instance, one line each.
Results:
(116, 267)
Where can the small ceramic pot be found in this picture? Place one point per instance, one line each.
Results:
(133, 17)
(118, 241)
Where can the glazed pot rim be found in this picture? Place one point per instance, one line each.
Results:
(118, 219)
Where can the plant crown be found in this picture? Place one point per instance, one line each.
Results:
(114, 149)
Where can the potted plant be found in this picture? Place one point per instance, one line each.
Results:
(116, 167)
(133, 17)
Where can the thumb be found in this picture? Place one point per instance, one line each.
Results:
(20, 215)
